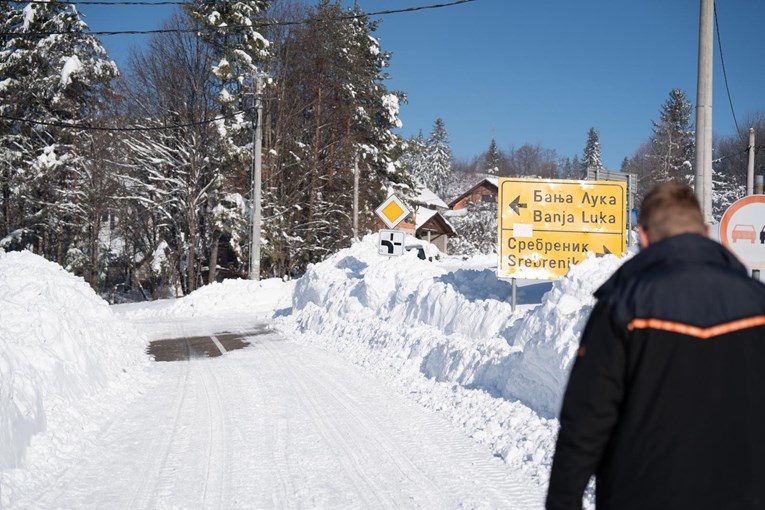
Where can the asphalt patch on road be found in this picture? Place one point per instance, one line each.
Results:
(181, 349)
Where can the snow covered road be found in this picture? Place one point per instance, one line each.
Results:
(278, 424)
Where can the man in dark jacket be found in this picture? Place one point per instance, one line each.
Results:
(665, 404)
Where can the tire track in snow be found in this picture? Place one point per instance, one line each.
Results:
(159, 448)
(372, 431)
(259, 448)
(496, 486)
(218, 460)
(342, 443)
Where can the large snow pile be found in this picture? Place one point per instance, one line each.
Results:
(60, 344)
(449, 338)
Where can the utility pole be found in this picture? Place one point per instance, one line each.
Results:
(356, 198)
(750, 167)
(704, 110)
(255, 210)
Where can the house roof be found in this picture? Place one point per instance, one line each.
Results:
(491, 182)
(429, 219)
(429, 199)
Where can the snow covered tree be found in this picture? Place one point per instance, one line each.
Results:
(331, 108)
(477, 230)
(492, 159)
(174, 168)
(51, 74)
(239, 52)
(591, 157)
(726, 190)
(413, 156)
(438, 159)
(673, 139)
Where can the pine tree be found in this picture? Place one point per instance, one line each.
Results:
(438, 159)
(413, 157)
(492, 159)
(239, 52)
(332, 108)
(673, 139)
(591, 158)
(54, 79)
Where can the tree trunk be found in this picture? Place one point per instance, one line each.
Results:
(95, 231)
(6, 202)
(213, 264)
(191, 260)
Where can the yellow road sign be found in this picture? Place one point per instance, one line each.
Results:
(545, 225)
(392, 211)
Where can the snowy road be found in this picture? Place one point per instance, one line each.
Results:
(279, 425)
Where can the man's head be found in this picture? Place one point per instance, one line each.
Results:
(669, 209)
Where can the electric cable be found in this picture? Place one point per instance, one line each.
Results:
(725, 74)
(259, 23)
(90, 127)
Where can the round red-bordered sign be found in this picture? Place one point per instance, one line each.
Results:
(742, 230)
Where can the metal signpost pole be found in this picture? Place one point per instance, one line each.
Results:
(513, 300)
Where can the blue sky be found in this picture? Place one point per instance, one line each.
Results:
(542, 72)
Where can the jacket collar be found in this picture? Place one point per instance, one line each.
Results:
(679, 249)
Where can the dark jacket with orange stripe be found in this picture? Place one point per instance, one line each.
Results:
(666, 400)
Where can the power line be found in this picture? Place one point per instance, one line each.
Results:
(90, 127)
(105, 3)
(260, 23)
(725, 74)
(757, 149)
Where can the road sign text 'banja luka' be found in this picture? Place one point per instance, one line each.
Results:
(545, 225)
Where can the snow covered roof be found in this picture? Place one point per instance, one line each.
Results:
(424, 215)
(428, 198)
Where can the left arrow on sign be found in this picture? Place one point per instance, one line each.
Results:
(516, 206)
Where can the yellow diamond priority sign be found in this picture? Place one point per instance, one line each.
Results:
(392, 211)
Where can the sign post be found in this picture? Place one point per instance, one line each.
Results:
(742, 231)
(545, 225)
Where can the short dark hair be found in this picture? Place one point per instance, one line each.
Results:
(669, 209)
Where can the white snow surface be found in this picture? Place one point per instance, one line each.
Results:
(448, 338)
(441, 334)
(73, 65)
(60, 345)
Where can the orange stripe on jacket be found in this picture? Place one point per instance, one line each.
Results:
(703, 333)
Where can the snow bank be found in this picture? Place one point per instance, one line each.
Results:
(228, 298)
(59, 343)
(548, 337)
(449, 338)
